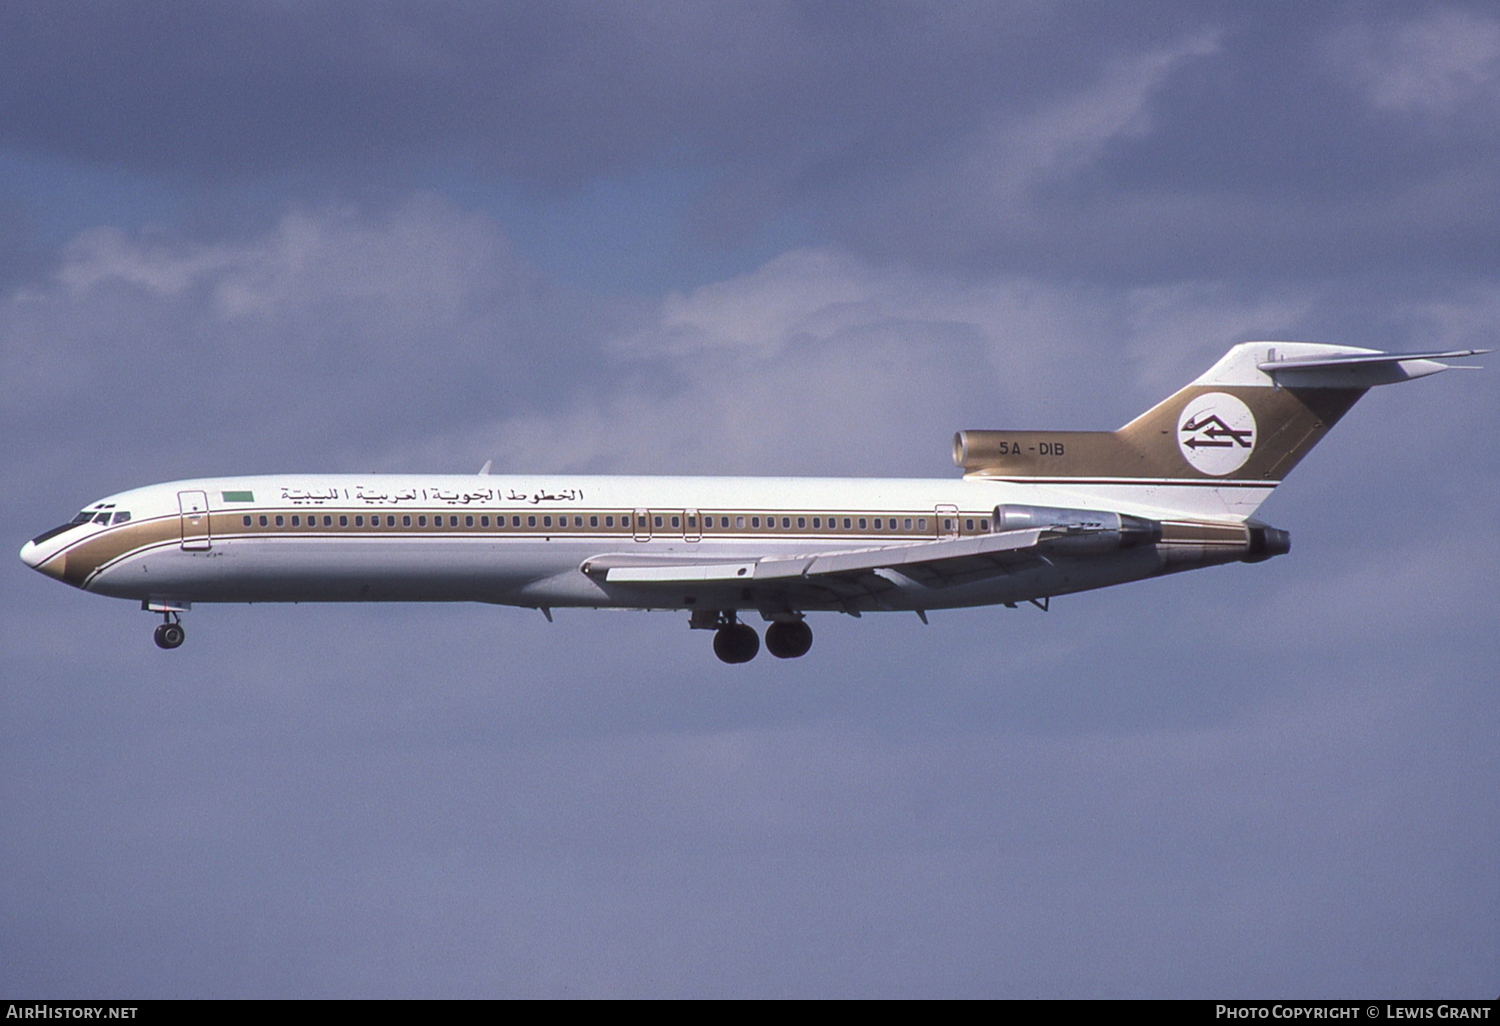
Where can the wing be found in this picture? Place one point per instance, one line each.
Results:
(844, 574)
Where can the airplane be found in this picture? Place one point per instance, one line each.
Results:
(1036, 514)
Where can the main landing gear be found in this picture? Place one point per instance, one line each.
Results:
(788, 639)
(736, 642)
(170, 634)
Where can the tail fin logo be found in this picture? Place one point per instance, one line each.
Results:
(1216, 433)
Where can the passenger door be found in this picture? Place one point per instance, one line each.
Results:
(194, 508)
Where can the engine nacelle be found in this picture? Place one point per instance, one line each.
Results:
(1266, 542)
(1084, 529)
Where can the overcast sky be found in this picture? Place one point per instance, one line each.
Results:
(770, 238)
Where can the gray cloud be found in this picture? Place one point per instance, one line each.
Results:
(1445, 62)
(1137, 144)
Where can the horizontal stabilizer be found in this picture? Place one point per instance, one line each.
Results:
(1358, 369)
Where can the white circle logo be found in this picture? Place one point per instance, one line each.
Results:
(1216, 433)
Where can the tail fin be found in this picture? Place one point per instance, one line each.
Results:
(1215, 448)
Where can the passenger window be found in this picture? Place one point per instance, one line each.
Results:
(947, 524)
(328, 521)
(263, 520)
(906, 524)
(343, 521)
(676, 521)
(515, 521)
(969, 524)
(578, 521)
(609, 521)
(247, 521)
(469, 521)
(296, 520)
(922, 524)
(406, 520)
(847, 523)
(786, 522)
(692, 521)
(422, 521)
(280, 520)
(359, 521)
(984, 525)
(739, 521)
(861, 523)
(531, 521)
(390, 521)
(817, 523)
(593, 521)
(484, 521)
(546, 521)
(755, 521)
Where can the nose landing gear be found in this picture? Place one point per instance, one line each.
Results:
(170, 634)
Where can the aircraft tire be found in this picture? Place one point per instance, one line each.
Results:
(789, 640)
(736, 643)
(170, 635)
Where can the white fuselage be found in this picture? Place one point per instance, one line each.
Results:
(526, 541)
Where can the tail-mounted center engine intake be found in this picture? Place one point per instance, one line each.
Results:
(1082, 530)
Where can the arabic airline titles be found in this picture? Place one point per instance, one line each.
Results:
(1036, 514)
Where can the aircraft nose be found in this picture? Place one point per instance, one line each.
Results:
(39, 558)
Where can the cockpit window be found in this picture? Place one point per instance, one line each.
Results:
(98, 515)
(78, 521)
